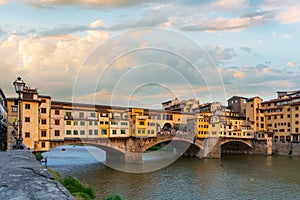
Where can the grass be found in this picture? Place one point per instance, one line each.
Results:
(78, 189)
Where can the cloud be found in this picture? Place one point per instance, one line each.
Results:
(228, 24)
(246, 49)
(286, 36)
(230, 5)
(290, 64)
(87, 3)
(49, 63)
(287, 12)
(259, 41)
(96, 24)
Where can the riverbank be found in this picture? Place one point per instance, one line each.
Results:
(23, 177)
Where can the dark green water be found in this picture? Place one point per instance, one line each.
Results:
(232, 177)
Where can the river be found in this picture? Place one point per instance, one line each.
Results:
(232, 177)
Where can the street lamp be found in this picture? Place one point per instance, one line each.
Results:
(19, 87)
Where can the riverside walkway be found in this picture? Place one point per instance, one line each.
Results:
(23, 177)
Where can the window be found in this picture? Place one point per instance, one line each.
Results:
(288, 109)
(288, 116)
(27, 106)
(96, 123)
(44, 133)
(262, 125)
(106, 122)
(90, 132)
(296, 108)
(123, 131)
(56, 112)
(43, 121)
(68, 132)
(56, 132)
(296, 115)
(142, 123)
(43, 100)
(289, 124)
(101, 122)
(103, 132)
(114, 123)
(27, 119)
(75, 132)
(296, 122)
(82, 132)
(68, 123)
(82, 123)
(75, 123)
(14, 108)
(27, 134)
(56, 122)
(43, 144)
(91, 123)
(296, 130)
(269, 117)
(67, 113)
(281, 116)
(43, 110)
(81, 115)
(124, 123)
(93, 114)
(158, 116)
(95, 132)
(275, 117)
(114, 132)
(152, 132)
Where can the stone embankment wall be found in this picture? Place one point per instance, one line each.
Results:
(286, 149)
(23, 177)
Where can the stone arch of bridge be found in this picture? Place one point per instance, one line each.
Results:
(105, 145)
(247, 143)
(174, 142)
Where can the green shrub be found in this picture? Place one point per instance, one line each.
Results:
(39, 156)
(114, 197)
(76, 187)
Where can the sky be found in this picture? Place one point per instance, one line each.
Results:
(142, 53)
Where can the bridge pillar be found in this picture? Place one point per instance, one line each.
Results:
(118, 157)
(212, 147)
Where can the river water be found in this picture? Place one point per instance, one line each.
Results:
(232, 177)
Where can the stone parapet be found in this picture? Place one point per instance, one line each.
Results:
(23, 177)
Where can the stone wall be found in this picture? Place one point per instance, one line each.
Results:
(286, 149)
(23, 177)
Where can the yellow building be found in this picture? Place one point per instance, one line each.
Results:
(138, 122)
(30, 117)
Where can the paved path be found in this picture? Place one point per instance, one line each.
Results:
(23, 177)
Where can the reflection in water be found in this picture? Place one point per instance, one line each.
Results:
(232, 177)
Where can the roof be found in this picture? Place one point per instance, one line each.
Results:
(250, 99)
(239, 97)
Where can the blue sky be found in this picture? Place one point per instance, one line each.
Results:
(140, 53)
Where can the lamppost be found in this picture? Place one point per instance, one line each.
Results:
(19, 87)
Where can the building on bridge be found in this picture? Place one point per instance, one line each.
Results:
(215, 120)
(46, 121)
(181, 106)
